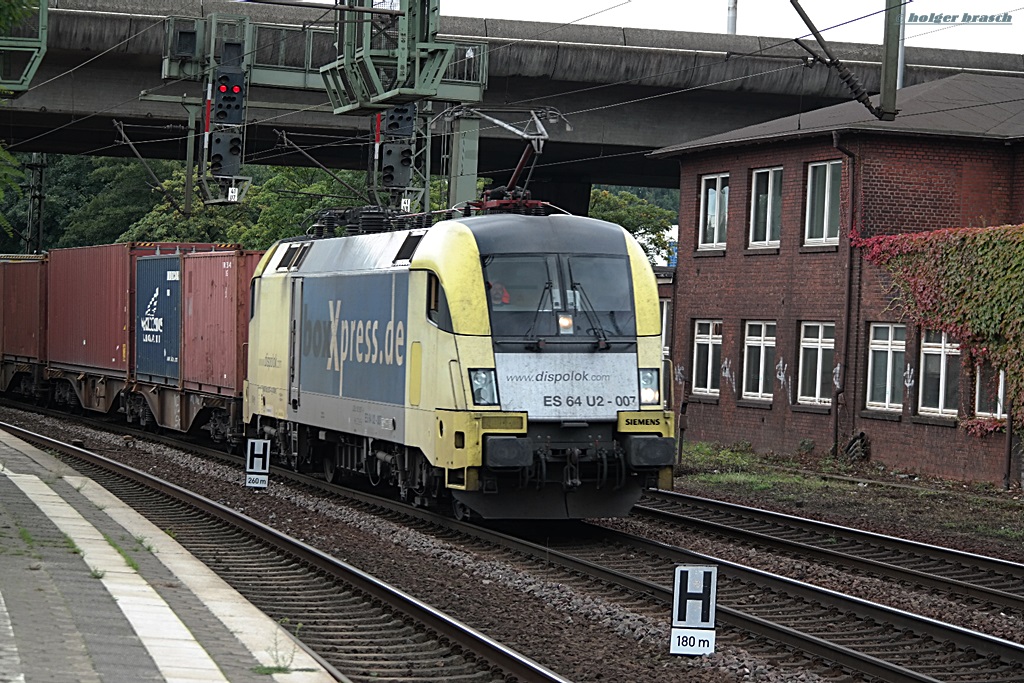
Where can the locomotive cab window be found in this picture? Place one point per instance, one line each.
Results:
(293, 256)
(600, 286)
(437, 304)
(537, 295)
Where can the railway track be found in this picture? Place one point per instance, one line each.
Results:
(996, 584)
(360, 628)
(808, 628)
(832, 631)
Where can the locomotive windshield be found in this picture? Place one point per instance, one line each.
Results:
(546, 295)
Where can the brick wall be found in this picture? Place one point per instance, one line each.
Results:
(900, 185)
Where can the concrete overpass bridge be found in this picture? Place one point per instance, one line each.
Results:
(625, 91)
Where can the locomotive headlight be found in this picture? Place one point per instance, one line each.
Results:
(565, 324)
(484, 386)
(650, 393)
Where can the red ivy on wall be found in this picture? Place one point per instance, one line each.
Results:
(967, 282)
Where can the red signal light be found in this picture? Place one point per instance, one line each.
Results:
(236, 89)
(222, 88)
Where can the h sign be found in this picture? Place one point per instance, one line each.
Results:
(696, 590)
(257, 456)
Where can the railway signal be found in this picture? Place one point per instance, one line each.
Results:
(229, 96)
(226, 153)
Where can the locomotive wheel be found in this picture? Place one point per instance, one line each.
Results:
(330, 468)
(461, 512)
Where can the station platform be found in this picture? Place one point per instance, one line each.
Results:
(73, 609)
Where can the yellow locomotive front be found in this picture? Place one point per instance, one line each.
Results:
(555, 327)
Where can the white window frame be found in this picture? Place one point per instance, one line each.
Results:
(765, 343)
(830, 233)
(774, 186)
(948, 351)
(1000, 413)
(707, 333)
(721, 212)
(889, 346)
(666, 308)
(819, 344)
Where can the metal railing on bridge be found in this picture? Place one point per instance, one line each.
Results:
(288, 56)
(22, 47)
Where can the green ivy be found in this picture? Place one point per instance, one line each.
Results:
(967, 282)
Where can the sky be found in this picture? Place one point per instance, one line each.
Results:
(779, 19)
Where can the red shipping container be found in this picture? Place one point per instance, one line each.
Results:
(23, 316)
(90, 309)
(215, 319)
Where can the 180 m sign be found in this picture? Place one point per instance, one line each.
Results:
(692, 641)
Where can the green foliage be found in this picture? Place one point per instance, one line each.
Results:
(285, 204)
(12, 12)
(698, 457)
(207, 223)
(966, 282)
(120, 193)
(663, 197)
(10, 183)
(644, 220)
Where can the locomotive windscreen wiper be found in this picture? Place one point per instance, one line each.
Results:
(548, 286)
(592, 318)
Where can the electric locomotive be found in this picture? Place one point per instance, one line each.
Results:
(507, 365)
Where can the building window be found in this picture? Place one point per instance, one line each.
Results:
(817, 357)
(707, 357)
(714, 210)
(990, 392)
(759, 361)
(666, 323)
(823, 181)
(940, 374)
(886, 358)
(765, 207)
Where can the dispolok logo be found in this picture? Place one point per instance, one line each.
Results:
(152, 324)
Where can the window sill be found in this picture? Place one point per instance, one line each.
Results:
(703, 398)
(754, 403)
(811, 408)
(935, 420)
(881, 415)
(705, 253)
(761, 251)
(819, 249)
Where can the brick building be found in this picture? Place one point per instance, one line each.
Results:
(783, 336)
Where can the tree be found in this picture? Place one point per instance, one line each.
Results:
(123, 195)
(207, 223)
(287, 201)
(666, 198)
(12, 12)
(647, 222)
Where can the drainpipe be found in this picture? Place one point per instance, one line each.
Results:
(1008, 446)
(848, 304)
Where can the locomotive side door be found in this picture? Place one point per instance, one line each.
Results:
(295, 356)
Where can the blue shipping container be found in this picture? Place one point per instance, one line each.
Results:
(158, 319)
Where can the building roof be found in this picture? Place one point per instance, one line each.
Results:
(964, 105)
